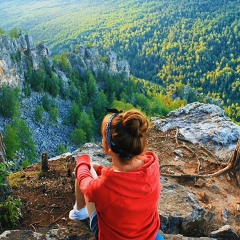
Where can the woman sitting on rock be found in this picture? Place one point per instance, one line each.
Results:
(121, 201)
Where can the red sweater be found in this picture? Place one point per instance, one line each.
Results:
(126, 202)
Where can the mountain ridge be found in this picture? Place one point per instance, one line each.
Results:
(21, 60)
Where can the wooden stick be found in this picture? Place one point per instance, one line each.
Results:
(31, 225)
(60, 216)
(45, 167)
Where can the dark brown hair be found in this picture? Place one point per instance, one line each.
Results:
(128, 130)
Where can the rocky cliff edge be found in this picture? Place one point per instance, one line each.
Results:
(198, 205)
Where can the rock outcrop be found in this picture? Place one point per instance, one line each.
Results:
(117, 66)
(89, 58)
(185, 212)
(181, 211)
(184, 215)
(16, 55)
(204, 124)
(14, 58)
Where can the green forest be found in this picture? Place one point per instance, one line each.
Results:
(173, 43)
(89, 94)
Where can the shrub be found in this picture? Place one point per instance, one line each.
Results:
(15, 33)
(10, 211)
(16, 57)
(25, 164)
(2, 32)
(104, 59)
(62, 149)
(89, 45)
(63, 62)
(54, 85)
(86, 123)
(26, 90)
(4, 172)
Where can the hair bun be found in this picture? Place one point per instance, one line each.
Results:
(135, 124)
(128, 132)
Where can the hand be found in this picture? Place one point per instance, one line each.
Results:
(95, 165)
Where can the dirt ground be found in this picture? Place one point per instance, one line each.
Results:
(49, 196)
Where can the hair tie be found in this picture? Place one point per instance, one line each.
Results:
(110, 141)
(108, 129)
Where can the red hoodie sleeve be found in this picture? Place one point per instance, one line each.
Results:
(82, 172)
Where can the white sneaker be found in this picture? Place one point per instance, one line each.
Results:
(78, 214)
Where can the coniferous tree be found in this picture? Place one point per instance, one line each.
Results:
(9, 104)
(39, 113)
(37, 80)
(11, 142)
(18, 136)
(78, 137)
(25, 138)
(74, 114)
(99, 106)
(53, 114)
(85, 124)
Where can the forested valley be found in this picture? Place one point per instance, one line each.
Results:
(172, 43)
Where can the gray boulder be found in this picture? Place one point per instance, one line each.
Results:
(205, 124)
(179, 209)
(225, 232)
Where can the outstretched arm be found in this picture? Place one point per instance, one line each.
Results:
(84, 173)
